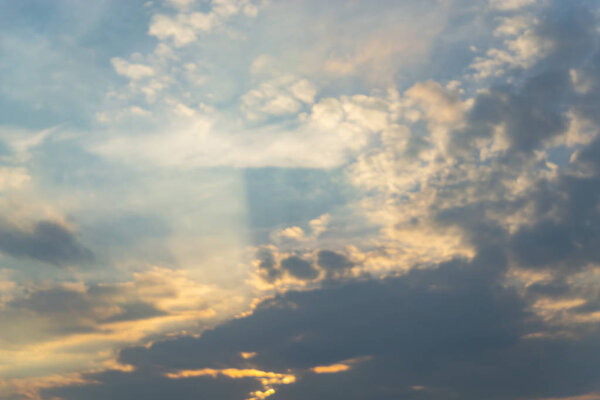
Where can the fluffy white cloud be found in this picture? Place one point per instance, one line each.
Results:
(185, 27)
(522, 48)
(130, 70)
(182, 29)
(281, 96)
(327, 136)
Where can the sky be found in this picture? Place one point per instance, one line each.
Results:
(303, 199)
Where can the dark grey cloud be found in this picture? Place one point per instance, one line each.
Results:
(561, 233)
(589, 156)
(64, 310)
(332, 261)
(150, 385)
(566, 234)
(48, 242)
(529, 113)
(555, 288)
(532, 106)
(453, 330)
(267, 266)
(295, 266)
(299, 268)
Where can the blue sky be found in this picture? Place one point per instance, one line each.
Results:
(250, 199)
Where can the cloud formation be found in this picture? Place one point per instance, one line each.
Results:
(439, 327)
(301, 200)
(47, 242)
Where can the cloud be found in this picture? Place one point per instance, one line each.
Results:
(439, 104)
(327, 137)
(184, 28)
(74, 325)
(122, 387)
(332, 261)
(64, 310)
(277, 268)
(13, 178)
(527, 118)
(182, 4)
(22, 142)
(441, 327)
(281, 96)
(477, 161)
(505, 5)
(286, 124)
(266, 265)
(523, 46)
(370, 55)
(132, 71)
(266, 378)
(330, 369)
(47, 241)
(299, 268)
(376, 226)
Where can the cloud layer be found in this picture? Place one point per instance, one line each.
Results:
(249, 199)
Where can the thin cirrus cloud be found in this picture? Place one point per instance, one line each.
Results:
(300, 200)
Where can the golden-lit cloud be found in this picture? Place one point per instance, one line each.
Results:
(175, 302)
(342, 366)
(330, 369)
(266, 378)
(261, 394)
(248, 355)
(29, 388)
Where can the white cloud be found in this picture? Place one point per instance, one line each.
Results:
(132, 71)
(304, 91)
(185, 27)
(13, 178)
(280, 96)
(522, 48)
(582, 82)
(509, 5)
(437, 103)
(180, 29)
(22, 142)
(328, 136)
(181, 4)
(184, 111)
(136, 110)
